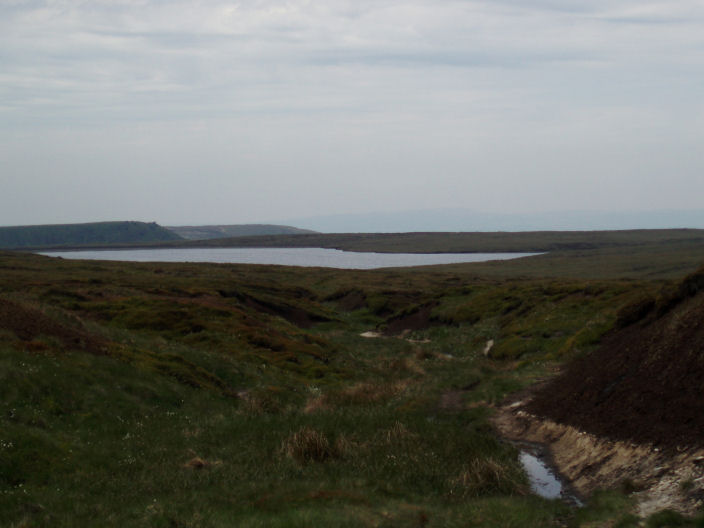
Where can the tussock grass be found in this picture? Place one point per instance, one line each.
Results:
(363, 393)
(308, 445)
(487, 477)
(367, 393)
(317, 404)
(197, 463)
(397, 434)
(260, 402)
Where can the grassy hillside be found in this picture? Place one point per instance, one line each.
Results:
(224, 231)
(232, 395)
(97, 233)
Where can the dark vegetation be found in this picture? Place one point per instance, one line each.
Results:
(480, 242)
(232, 395)
(239, 230)
(669, 260)
(98, 233)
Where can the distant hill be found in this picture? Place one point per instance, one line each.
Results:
(437, 242)
(96, 233)
(466, 220)
(226, 231)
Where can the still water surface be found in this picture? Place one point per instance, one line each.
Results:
(327, 258)
(544, 481)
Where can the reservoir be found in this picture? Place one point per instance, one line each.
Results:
(308, 257)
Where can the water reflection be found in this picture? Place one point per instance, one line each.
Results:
(308, 257)
(543, 481)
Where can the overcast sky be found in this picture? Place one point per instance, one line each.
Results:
(256, 111)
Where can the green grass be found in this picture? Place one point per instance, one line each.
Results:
(92, 437)
(213, 402)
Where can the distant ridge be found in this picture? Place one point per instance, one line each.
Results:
(479, 242)
(466, 220)
(208, 232)
(95, 233)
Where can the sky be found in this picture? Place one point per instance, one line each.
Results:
(219, 112)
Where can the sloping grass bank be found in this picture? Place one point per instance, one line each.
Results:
(226, 395)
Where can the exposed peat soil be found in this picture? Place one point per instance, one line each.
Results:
(418, 319)
(657, 479)
(644, 384)
(632, 412)
(31, 324)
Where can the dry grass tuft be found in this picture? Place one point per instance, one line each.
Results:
(197, 463)
(308, 445)
(407, 364)
(372, 392)
(482, 477)
(362, 393)
(367, 393)
(344, 447)
(397, 433)
(257, 404)
(422, 354)
(317, 404)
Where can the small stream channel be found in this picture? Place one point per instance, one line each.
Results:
(544, 481)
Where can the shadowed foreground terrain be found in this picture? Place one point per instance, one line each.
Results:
(232, 395)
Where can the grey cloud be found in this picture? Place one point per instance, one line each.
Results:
(645, 20)
(466, 59)
(242, 105)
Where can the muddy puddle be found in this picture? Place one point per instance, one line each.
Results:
(586, 463)
(544, 480)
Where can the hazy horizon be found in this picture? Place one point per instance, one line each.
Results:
(457, 220)
(465, 220)
(227, 112)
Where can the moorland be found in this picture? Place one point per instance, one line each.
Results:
(167, 394)
(93, 233)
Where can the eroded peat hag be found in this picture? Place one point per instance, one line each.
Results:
(652, 478)
(629, 413)
(219, 395)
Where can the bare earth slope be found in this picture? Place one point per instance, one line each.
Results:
(644, 384)
(630, 414)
